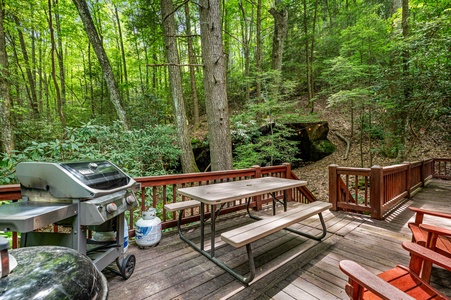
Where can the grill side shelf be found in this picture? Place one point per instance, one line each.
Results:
(27, 216)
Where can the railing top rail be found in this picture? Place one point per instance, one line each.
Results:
(354, 171)
(196, 177)
(441, 159)
(191, 177)
(402, 166)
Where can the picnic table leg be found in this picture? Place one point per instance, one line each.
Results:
(202, 225)
(210, 255)
(273, 204)
(241, 278)
(314, 237)
(285, 200)
(248, 210)
(213, 230)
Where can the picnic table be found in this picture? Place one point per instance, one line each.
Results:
(216, 195)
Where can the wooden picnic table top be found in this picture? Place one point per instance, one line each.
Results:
(234, 190)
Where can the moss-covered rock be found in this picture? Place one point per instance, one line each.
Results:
(320, 149)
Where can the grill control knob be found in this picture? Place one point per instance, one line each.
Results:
(130, 199)
(111, 208)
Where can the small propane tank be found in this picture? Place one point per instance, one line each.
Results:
(148, 229)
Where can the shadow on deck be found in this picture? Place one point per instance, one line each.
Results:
(307, 269)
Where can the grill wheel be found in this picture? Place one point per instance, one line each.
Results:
(128, 266)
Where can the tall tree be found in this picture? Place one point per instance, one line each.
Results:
(258, 55)
(175, 79)
(309, 51)
(59, 52)
(192, 63)
(280, 14)
(215, 85)
(108, 75)
(121, 43)
(7, 138)
(31, 83)
(55, 80)
(246, 36)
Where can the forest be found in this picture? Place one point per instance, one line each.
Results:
(133, 81)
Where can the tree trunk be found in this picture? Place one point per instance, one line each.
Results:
(226, 27)
(258, 55)
(32, 86)
(138, 56)
(7, 137)
(59, 53)
(124, 62)
(108, 75)
(192, 62)
(215, 85)
(306, 50)
(55, 80)
(246, 37)
(280, 14)
(175, 79)
(91, 83)
(406, 80)
(311, 85)
(395, 124)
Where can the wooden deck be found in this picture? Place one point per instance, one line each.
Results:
(287, 266)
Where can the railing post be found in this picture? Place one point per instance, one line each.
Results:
(422, 173)
(376, 191)
(257, 199)
(408, 176)
(333, 186)
(433, 167)
(288, 176)
(288, 170)
(257, 171)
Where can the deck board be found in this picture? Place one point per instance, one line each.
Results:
(303, 269)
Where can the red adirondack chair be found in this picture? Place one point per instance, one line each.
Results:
(398, 283)
(432, 237)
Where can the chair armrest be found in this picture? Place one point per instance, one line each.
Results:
(420, 212)
(435, 229)
(426, 254)
(418, 235)
(372, 282)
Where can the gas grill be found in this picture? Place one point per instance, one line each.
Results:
(82, 197)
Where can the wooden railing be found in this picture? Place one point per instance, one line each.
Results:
(159, 190)
(156, 191)
(376, 190)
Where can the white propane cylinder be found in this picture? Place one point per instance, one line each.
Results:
(148, 229)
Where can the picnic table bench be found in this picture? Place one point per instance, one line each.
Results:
(244, 236)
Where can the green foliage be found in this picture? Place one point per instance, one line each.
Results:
(266, 150)
(361, 61)
(355, 97)
(374, 130)
(143, 152)
(252, 147)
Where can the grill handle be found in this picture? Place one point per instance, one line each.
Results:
(133, 185)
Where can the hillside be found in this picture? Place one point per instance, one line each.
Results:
(433, 144)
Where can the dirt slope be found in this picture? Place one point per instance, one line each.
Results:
(431, 145)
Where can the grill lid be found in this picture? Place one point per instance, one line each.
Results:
(100, 175)
(81, 180)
